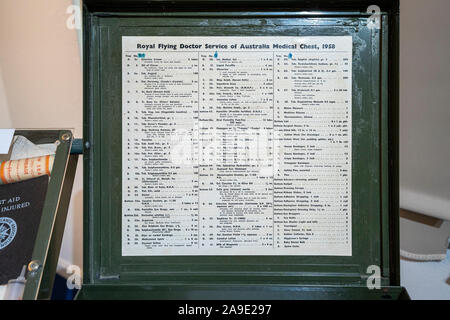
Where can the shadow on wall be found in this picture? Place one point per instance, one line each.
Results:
(77, 229)
(72, 246)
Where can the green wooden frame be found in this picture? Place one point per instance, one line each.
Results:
(375, 136)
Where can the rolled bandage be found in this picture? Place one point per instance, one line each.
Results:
(24, 169)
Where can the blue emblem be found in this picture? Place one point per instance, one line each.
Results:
(8, 230)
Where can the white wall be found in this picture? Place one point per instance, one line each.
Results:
(42, 87)
(425, 106)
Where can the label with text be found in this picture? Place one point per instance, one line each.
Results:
(236, 146)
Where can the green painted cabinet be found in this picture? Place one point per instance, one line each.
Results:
(374, 167)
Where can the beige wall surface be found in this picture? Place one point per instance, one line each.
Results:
(41, 86)
(5, 117)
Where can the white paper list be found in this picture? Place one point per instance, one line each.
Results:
(236, 146)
